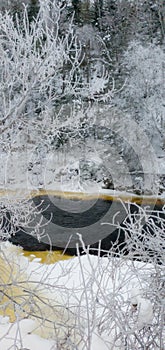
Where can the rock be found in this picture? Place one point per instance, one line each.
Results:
(108, 183)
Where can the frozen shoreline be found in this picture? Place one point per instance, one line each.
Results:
(86, 193)
(24, 171)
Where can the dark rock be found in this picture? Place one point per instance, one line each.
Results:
(108, 183)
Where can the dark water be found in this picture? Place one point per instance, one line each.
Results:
(98, 219)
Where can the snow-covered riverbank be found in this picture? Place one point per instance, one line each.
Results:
(111, 298)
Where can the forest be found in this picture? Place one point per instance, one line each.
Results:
(80, 110)
(82, 133)
(93, 74)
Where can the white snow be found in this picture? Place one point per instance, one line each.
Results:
(24, 338)
(88, 284)
(144, 308)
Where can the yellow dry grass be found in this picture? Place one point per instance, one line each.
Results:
(23, 297)
(18, 293)
(13, 282)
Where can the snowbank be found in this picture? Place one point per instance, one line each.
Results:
(100, 295)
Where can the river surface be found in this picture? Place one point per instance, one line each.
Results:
(65, 218)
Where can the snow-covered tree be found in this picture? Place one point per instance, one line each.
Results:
(44, 97)
(39, 68)
(32, 62)
(143, 92)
